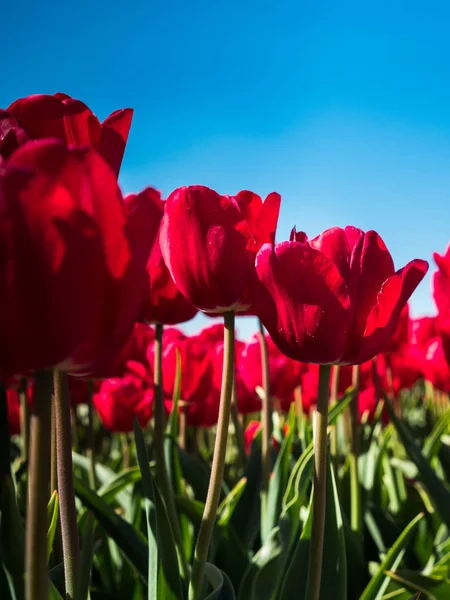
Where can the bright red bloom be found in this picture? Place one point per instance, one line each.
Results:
(209, 243)
(62, 117)
(436, 368)
(121, 400)
(284, 373)
(407, 366)
(250, 433)
(13, 408)
(421, 330)
(441, 283)
(71, 280)
(163, 302)
(334, 299)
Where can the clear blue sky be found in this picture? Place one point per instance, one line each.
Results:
(341, 107)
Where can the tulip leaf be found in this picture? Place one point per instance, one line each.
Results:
(222, 588)
(129, 540)
(434, 440)
(439, 493)
(266, 558)
(432, 587)
(278, 480)
(163, 572)
(86, 558)
(379, 582)
(53, 520)
(334, 569)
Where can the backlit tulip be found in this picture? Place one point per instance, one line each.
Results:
(334, 299)
(163, 302)
(436, 368)
(60, 116)
(209, 243)
(71, 280)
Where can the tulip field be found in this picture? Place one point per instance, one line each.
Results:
(310, 461)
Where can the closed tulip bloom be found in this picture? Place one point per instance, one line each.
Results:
(334, 299)
(120, 400)
(209, 243)
(12, 134)
(163, 302)
(436, 368)
(441, 295)
(71, 282)
(421, 330)
(65, 118)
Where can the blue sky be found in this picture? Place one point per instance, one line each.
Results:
(341, 107)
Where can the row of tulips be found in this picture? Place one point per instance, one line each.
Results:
(81, 266)
(414, 352)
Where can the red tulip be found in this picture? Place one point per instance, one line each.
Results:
(441, 283)
(121, 400)
(209, 243)
(334, 299)
(13, 408)
(421, 330)
(406, 365)
(11, 134)
(250, 433)
(436, 368)
(60, 116)
(71, 280)
(284, 373)
(163, 302)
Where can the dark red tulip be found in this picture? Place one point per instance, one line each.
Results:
(62, 117)
(120, 400)
(12, 134)
(334, 299)
(209, 243)
(71, 281)
(284, 373)
(436, 368)
(163, 302)
(13, 408)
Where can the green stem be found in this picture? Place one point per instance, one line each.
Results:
(356, 515)
(36, 581)
(161, 467)
(218, 464)
(333, 400)
(266, 422)
(320, 486)
(67, 509)
(53, 453)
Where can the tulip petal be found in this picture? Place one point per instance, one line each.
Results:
(306, 310)
(114, 136)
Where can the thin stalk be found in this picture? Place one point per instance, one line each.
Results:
(183, 427)
(36, 580)
(67, 509)
(24, 420)
(53, 459)
(356, 509)
(320, 486)
(161, 467)
(238, 431)
(266, 422)
(218, 464)
(91, 438)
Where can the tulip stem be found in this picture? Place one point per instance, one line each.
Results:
(266, 422)
(320, 486)
(356, 516)
(333, 400)
(36, 580)
(161, 467)
(218, 464)
(53, 453)
(68, 513)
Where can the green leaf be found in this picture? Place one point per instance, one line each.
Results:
(229, 503)
(12, 538)
(220, 583)
(131, 543)
(86, 557)
(434, 588)
(108, 491)
(267, 557)
(163, 572)
(439, 494)
(379, 582)
(197, 474)
(53, 519)
(434, 440)
(279, 480)
(334, 569)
